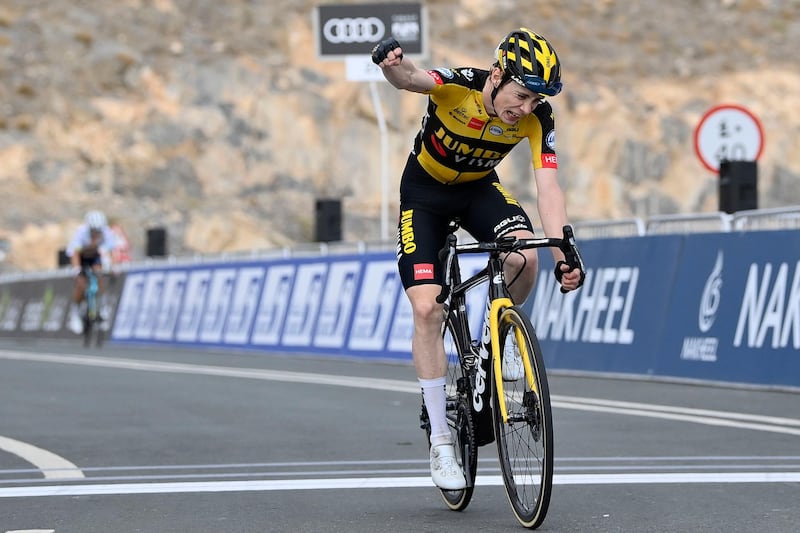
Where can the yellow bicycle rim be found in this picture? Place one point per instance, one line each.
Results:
(494, 327)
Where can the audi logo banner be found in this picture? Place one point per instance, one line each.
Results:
(353, 29)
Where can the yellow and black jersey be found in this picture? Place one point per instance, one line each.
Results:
(460, 142)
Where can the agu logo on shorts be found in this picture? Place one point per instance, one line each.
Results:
(423, 271)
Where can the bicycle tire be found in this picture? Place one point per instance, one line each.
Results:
(88, 326)
(99, 335)
(525, 441)
(459, 418)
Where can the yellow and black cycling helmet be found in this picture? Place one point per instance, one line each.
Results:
(527, 58)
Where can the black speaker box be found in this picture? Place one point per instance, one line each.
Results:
(63, 260)
(156, 242)
(328, 225)
(738, 186)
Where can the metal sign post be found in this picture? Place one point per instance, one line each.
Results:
(351, 31)
(361, 68)
(373, 89)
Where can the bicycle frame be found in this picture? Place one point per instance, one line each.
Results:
(518, 412)
(90, 293)
(498, 297)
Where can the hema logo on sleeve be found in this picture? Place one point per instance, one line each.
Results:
(353, 29)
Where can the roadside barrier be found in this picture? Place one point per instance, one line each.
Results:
(710, 306)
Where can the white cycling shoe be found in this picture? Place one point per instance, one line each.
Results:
(445, 471)
(513, 368)
(75, 324)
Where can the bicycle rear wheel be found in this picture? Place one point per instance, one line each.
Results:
(525, 439)
(459, 418)
(99, 334)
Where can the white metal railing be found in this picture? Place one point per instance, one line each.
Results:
(596, 229)
(698, 223)
(767, 219)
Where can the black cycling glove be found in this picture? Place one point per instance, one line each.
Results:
(383, 48)
(559, 273)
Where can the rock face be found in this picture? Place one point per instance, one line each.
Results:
(217, 121)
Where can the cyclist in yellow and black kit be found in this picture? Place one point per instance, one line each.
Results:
(475, 117)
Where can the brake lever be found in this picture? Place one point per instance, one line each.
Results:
(572, 257)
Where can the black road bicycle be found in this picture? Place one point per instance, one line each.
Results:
(481, 406)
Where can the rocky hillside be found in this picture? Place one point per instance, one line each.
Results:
(217, 121)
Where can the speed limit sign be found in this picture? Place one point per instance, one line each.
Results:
(728, 132)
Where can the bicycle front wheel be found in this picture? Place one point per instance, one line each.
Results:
(525, 437)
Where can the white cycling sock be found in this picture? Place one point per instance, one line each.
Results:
(433, 392)
(74, 309)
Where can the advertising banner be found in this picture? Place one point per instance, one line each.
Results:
(735, 311)
(719, 307)
(614, 321)
(39, 308)
(354, 29)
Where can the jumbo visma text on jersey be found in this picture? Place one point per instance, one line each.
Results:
(460, 142)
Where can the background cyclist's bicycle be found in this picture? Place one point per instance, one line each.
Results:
(483, 405)
(91, 316)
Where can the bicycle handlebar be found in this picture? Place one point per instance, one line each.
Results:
(507, 245)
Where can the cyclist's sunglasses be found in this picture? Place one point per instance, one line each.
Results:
(538, 85)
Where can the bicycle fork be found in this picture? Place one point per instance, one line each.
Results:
(491, 341)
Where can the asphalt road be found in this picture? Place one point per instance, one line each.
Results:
(143, 439)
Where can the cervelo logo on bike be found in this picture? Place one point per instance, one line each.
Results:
(483, 353)
(354, 30)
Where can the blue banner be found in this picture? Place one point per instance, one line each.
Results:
(614, 321)
(721, 307)
(735, 313)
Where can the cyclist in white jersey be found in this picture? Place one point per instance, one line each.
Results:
(90, 247)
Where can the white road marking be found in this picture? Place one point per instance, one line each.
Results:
(383, 483)
(685, 410)
(208, 370)
(31, 531)
(52, 466)
(720, 418)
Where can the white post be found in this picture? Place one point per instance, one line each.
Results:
(373, 88)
